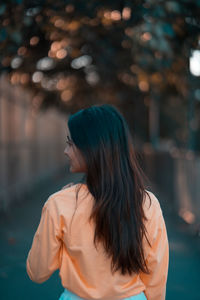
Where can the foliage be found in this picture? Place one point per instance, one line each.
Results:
(76, 53)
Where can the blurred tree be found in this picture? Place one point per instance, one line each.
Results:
(134, 54)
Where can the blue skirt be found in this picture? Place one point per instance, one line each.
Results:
(67, 295)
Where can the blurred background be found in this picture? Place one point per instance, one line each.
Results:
(57, 57)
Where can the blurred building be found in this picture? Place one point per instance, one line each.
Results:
(176, 175)
(31, 142)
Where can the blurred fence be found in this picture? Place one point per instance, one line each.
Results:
(177, 176)
(31, 143)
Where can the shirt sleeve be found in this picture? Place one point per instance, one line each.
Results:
(44, 256)
(157, 262)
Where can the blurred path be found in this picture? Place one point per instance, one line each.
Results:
(184, 277)
(16, 233)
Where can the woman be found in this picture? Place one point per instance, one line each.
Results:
(106, 234)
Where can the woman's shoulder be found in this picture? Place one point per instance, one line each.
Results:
(151, 204)
(65, 197)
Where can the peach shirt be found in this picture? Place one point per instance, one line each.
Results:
(85, 270)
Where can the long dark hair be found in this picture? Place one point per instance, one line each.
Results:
(116, 181)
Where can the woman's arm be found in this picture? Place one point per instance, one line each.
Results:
(157, 262)
(44, 256)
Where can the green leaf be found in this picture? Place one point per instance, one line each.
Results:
(3, 34)
(168, 30)
(2, 9)
(17, 37)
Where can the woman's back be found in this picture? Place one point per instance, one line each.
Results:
(112, 242)
(68, 244)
